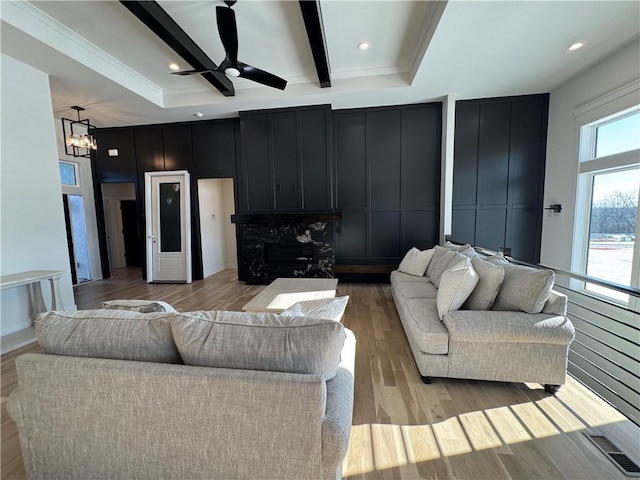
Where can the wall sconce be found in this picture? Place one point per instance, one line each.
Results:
(78, 139)
(556, 207)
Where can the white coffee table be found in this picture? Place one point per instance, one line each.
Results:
(284, 292)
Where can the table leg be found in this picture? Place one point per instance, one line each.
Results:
(56, 300)
(36, 302)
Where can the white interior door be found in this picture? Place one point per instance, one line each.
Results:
(168, 219)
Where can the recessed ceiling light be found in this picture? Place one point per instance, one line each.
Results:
(174, 66)
(576, 46)
(198, 114)
(364, 45)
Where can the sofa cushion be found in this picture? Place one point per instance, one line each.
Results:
(497, 259)
(456, 248)
(455, 287)
(259, 341)
(524, 288)
(415, 262)
(115, 334)
(142, 306)
(424, 326)
(439, 263)
(397, 278)
(416, 290)
(490, 280)
(330, 308)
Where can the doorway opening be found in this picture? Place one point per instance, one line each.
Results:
(218, 235)
(121, 225)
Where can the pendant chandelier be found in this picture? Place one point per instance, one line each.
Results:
(78, 138)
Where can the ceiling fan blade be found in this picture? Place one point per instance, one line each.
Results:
(260, 76)
(192, 72)
(228, 32)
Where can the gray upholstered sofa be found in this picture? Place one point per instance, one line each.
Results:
(122, 394)
(501, 343)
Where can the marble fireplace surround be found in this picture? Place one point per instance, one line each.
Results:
(314, 232)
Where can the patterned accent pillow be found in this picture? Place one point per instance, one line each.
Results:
(415, 262)
(329, 308)
(259, 341)
(456, 285)
(115, 334)
(142, 306)
(491, 277)
(524, 289)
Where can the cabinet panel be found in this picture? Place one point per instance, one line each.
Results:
(177, 148)
(493, 153)
(258, 177)
(350, 159)
(285, 160)
(421, 138)
(214, 149)
(385, 234)
(149, 152)
(383, 140)
(490, 228)
(314, 141)
(115, 169)
(463, 225)
(465, 164)
(351, 238)
(523, 237)
(420, 230)
(528, 138)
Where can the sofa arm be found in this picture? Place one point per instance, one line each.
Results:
(14, 407)
(336, 425)
(489, 326)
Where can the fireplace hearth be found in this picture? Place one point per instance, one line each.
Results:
(285, 245)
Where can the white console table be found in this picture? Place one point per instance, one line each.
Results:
(32, 280)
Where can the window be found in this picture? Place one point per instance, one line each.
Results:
(608, 197)
(68, 173)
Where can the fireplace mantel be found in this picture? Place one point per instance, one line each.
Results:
(267, 218)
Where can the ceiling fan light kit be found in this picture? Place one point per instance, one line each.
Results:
(231, 66)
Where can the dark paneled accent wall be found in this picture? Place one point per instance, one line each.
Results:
(498, 173)
(285, 164)
(204, 149)
(387, 163)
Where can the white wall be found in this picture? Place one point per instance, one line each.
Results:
(32, 227)
(230, 247)
(561, 175)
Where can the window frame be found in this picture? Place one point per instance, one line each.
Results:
(615, 106)
(72, 189)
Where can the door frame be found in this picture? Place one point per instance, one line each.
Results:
(185, 226)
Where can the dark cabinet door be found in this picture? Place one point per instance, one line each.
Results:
(498, 177)
(314, 139)
(285, 160)
(383, 149)
(214, 149)
(256, 166)
(120, 165)
(177, 148)
(350, 138)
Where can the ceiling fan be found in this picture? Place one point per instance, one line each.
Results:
(230, 66)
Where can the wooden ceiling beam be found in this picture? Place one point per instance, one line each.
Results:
(159, 22)
(312, 16)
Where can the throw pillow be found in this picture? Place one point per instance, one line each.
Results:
(456, 248)
(439, 261)
(330, 308)
(524, 289)
(490, 280)
(115, 334)
(456, 285)
(454, 259)
(142, 306)
(497, 259)
(415, 262)
(259, 341)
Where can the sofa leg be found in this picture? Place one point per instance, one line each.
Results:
(553, 389)
(426, 380)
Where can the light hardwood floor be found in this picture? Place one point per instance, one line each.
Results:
(402, 428)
